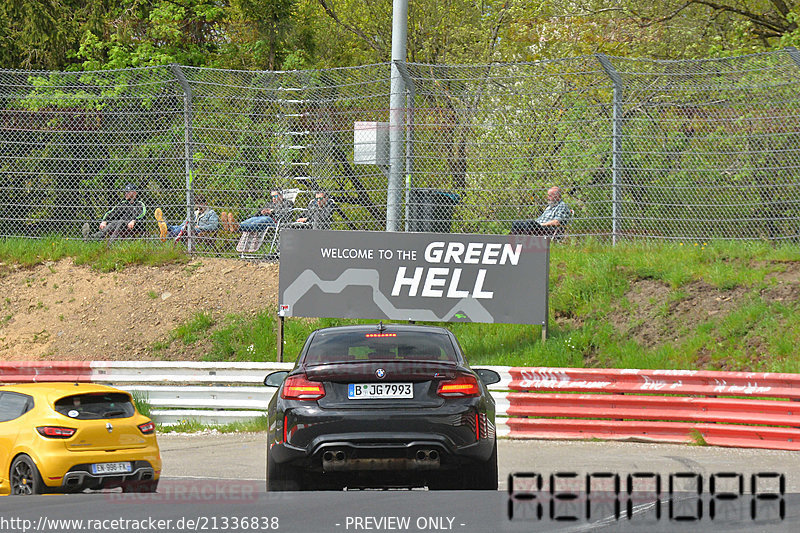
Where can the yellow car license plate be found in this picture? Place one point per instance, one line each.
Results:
(111, 468)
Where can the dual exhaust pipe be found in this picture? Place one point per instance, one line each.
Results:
(331, 456)
(338, 460)
(335, 461)
(427, 455)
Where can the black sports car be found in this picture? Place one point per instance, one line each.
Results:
(382, 406)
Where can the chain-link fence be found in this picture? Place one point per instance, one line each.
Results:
(650, 149)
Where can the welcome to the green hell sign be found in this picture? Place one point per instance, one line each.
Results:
(438, 282)
(416, 276)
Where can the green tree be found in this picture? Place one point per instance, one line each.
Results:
(451, 31)
(141, 33)
(272, 21)
(697, 28)
(241, 34)
(41, 34)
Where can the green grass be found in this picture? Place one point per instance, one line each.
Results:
(697, 438)
(142, 402)
(189, 332)
(242, 338)
(184, 426)
(31, 252)
(193, 426)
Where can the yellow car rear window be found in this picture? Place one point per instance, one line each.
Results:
(95, 406)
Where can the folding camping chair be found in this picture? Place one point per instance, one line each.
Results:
(251, 241)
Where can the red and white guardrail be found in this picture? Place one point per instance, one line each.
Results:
(742, 409)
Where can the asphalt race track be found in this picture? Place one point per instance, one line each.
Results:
(214, 482)
(243, 456)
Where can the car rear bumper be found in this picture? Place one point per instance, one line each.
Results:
(409, 440)
(80, 477)
(342, 453)
(54, 467)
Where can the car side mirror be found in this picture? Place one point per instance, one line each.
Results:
(489, 377)
(275, 378)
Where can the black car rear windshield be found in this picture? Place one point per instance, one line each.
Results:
(96, 406)
(340, 347)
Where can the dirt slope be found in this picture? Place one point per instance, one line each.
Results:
(63, 311)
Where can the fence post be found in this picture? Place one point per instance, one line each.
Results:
(616, 142)
(396, 115)
(189, 162)
(410, 95)
(396, 160)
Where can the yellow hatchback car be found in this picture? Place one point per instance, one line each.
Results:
(67, 437)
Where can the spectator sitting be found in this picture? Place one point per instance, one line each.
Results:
(278, 212)
(319, 211)
(124, 220)
(555, 215)
(205, 221)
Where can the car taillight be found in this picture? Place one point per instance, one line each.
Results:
(147, 428)
(299, 388)
(461, 386)
(55, 432)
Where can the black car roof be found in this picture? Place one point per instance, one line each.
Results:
(387, 327)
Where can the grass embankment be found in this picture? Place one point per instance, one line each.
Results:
(28, 252)
(727, 306)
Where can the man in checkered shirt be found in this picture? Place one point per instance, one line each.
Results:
(555, 214)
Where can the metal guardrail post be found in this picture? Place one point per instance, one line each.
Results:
(616, 143)
(189, 161)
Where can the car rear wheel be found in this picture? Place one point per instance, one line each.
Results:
(25, 477)
(282, 477)
(484, 476)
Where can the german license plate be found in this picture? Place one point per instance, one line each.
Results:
(379, 391)
(111, 468)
